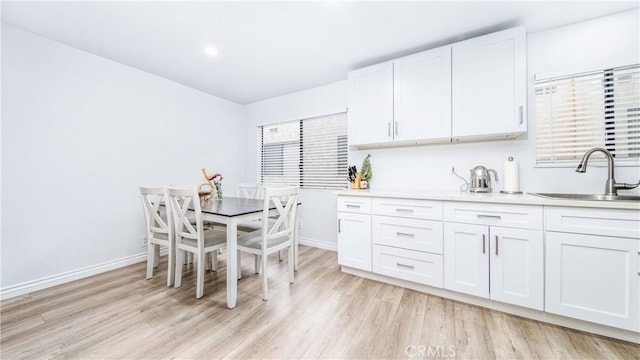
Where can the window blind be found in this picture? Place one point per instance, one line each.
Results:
(577, 112)
(309, 152)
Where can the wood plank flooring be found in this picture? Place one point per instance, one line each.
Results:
(325, 314)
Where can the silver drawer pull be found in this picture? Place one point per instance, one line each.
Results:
(496, 217)
(405, 266)
(353, 206)
(484, 244)
(404, 234)
(404, 210)
(520, 109)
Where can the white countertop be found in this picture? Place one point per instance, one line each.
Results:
(493, 197)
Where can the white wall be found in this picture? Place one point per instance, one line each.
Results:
(318, 210)
(576, 46)
(80, 133)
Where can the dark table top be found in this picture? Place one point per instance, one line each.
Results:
(233, 206)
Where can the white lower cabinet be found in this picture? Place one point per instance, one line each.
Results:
(576, 262)
(408, 249)
(354, 232)
(593, 265)
(516, 267)
(466, 259)
(492, 261)
(594, 278)
(415, 266)
(354, 240)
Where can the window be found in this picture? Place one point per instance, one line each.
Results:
(310, 152)
(577, 112)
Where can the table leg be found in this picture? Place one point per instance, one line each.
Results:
(232, 259)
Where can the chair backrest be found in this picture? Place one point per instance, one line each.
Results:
(250, 190)
(182, 200)
(152, 200)
(285, 200)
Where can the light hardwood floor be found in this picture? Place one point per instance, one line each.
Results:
(325, 314)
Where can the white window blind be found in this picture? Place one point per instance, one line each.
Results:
(577, 112)
(310, 152)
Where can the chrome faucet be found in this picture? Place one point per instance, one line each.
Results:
(610, 187)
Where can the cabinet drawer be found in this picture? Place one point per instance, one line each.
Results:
(355, 204)
(413, 234)
(408, 208)
(414, 266)
(507, 215)
(608, 222)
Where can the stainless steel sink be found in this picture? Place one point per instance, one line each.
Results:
(591, 197)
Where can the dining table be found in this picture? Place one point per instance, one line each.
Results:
(231, 211)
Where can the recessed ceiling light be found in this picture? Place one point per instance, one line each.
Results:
(211, 51)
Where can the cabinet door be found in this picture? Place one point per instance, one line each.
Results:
(489, 85)
(422, 96)
(354, 240)
(371, 104)
(466, 258)
(593, 278)
(516, 267)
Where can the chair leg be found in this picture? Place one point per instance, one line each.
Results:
(179, 264)
(295, 253)
(239, 265)
(257, 258)
(149, 260)
(200, 275)
(207, 262)
(291, 264)
(156, 256)
(214, 261)
(265, 291)
(171, 257)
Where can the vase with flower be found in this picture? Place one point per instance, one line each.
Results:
(215, 181)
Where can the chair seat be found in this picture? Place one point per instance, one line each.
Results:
(249, 226)
(253, 239)
(211, 238)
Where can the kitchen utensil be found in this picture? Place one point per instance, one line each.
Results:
(480, 181)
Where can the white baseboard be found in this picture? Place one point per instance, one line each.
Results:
(318, 243)
(53, 280)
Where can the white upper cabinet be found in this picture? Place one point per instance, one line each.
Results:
(422, 96)
(402, 101)
(371, 104)
(470, 90)
(489, 86)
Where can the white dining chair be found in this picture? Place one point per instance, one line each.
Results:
(276, 236)
(295, 238)
(192, 238)
(159, 223)
(250, 190)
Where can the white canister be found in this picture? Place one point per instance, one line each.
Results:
(510, 181)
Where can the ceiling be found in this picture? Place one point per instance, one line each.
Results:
(268, 49)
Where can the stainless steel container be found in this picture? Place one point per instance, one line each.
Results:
(480, 180)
